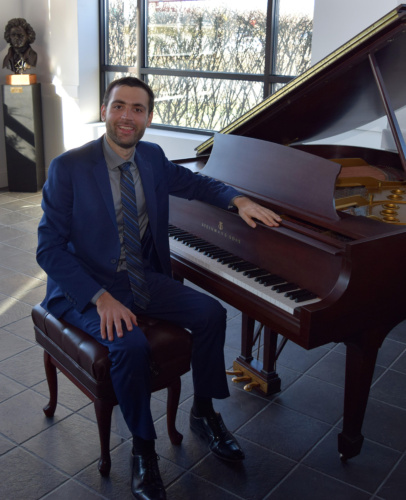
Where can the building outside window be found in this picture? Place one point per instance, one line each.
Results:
(208, 61)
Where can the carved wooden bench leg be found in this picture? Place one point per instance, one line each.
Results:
(172, 408)
(52, 379)
(103, 410)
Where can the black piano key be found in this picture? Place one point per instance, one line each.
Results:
(197, 243)
(246, 269)
(285, 287)
(179, 237)
(175, 230)
(175, 234)
(186, 238)
(308, 296)
(212, 248)
(209, 247)
(204, 247)
(272, 279)
(296, 293)
(196, 239)
(215, 254)
(193, 241)
(229, 260)
(220, 258)
(242, 266)
(255, 273)
(204, 243)
(220, 252)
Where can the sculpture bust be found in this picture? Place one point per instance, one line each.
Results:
(20, 56)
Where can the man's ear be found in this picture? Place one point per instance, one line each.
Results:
(103, 113)
(151, 115)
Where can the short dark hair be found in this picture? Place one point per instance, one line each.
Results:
(130, 81)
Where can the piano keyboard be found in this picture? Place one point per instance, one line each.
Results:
(260, 282)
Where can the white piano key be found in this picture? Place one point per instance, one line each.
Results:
(249, 284)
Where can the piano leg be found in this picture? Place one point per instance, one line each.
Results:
(262, 376)
(360, 365)
(247, 338)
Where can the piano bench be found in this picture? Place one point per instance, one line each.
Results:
(85, 362)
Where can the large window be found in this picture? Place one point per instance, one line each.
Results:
(208, 61)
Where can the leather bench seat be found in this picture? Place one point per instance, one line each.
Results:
(85, 362)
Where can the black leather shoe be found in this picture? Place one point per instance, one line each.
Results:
(221, 442)
(146, 482)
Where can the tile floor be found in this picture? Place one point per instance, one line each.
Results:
(289, 439)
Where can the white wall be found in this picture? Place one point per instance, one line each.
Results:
(337, 21)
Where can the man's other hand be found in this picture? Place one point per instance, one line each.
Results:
(112, 313)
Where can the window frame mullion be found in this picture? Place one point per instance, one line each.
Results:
(141, 36)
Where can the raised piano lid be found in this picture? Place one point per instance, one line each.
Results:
(358, 83)
(299, 181)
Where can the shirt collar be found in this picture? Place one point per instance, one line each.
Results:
(113, 160)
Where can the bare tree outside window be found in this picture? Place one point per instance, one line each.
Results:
(294, 44)
(214, 37)
(122, 33)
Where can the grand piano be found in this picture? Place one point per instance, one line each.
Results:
(332, 271)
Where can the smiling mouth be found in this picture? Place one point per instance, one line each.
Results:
(126, 128)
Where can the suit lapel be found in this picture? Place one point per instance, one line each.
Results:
(101, 174)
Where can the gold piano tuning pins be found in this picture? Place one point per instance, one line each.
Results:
(390, 212)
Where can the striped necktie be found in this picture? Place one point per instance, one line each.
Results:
(132, 239)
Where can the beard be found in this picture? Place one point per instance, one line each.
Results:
(125, 142)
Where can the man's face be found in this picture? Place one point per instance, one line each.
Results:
(126, 116)
(18, 37)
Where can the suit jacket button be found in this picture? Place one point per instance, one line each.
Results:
(113, 261)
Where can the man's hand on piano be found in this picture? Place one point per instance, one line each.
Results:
(249, 210)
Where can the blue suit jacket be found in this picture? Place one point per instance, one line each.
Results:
(78, 243)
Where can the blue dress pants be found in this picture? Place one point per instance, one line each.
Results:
(204, 316)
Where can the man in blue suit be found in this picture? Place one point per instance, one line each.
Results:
(80, 246)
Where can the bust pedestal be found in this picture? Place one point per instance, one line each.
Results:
(24, 137)
(21, 79)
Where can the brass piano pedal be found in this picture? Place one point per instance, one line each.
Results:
(237, 373)
(250, 386)
(244, 378)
